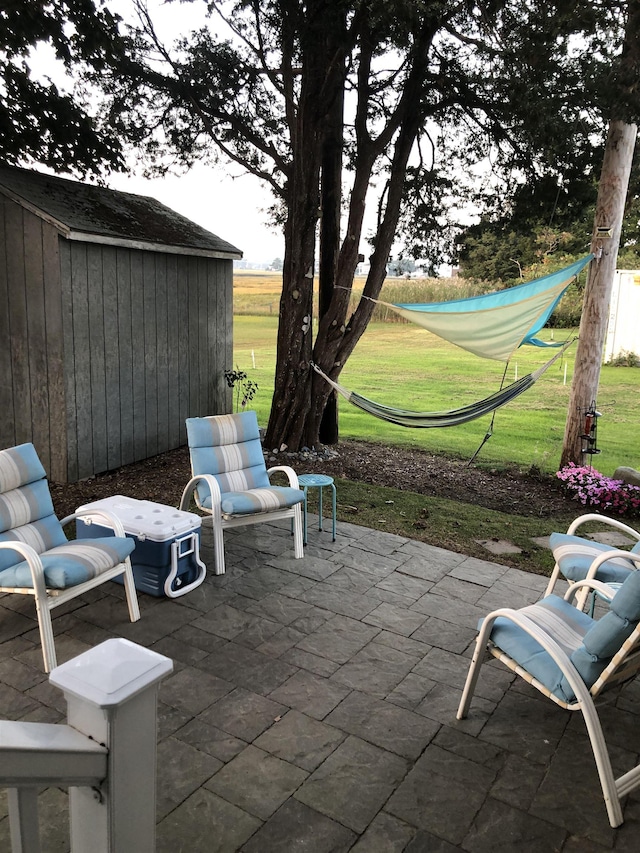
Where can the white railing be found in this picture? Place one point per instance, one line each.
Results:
(105, 754)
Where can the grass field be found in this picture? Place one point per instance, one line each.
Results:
(405, 366)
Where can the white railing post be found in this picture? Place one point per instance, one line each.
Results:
(111, 692)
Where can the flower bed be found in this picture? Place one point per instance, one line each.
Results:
(592, 489)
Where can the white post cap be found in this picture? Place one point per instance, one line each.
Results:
(111, 673)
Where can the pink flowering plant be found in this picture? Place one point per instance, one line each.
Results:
(592, 489)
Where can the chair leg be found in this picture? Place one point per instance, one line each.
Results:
(552, 580)
(298, 536)
(603, 763)
(218, 549)
(130, 590)
(478, 659)
(46, 633)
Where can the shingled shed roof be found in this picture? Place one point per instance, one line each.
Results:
(89, 213)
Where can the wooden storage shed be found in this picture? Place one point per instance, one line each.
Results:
(115, 323)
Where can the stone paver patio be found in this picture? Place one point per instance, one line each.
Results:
(312, 707)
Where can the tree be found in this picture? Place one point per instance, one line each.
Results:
(607, 227)
(400, 96)
(38, 120)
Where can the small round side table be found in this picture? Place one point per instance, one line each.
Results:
(319, 481)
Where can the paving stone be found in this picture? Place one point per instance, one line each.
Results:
(352, 579)
(296, 828)
(257, 782)
(353, 783)
(450, 610)
(570, 795)
(411, 691)
(399, 620)
(179, 651)
(17, 674)
(384, 724)
(442, 793)
(224, 621)
(205, 822)
(518, 782)
(526, 726)
(376, 564)
(404, 644)
(429, 568)
(376, 669)
(338, 639)
(385, 834)
(199, 639)
(345, 603)
(192, 690)
(243, 714)
(425, 842)
(170, 720)
(478, 572)
(280, 608)
(210, 739)
(451, 669)
(500, 827)
(499, 546)
(444, 635)
(313, 568)
(300, 740)
(405, 585)
(310, 694)
(441, 705)
(181, 770)
(307, 660)
(465, 590)
(283, 640)
(505, 594)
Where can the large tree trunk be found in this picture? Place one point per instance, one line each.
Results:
(612, 193)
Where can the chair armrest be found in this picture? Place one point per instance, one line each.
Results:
(615, 553)
(32, 559)
(602, 519)
(190, 491)
(290, 473)
(600, 587)
(109, 519)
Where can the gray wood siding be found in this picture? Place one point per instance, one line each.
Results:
(151, 338)
(104, 350)
(31, 342)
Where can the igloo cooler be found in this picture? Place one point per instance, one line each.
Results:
(166, 559)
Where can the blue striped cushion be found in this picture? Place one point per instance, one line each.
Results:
(222, 429)
(228, 447)
(72, 563)
(42, 535)
(562, 621)
(260, 500)
(25, 504)
(18, 466)
(574, 556)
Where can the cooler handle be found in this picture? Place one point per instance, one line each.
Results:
(191, 543)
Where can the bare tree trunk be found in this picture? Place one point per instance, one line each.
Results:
(612, 193)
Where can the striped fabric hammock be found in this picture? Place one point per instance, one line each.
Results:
(493, 326)
(455, 417)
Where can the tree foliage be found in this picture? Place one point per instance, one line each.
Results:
(368, 119)
(39, 121)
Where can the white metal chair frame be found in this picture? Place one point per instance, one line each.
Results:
(623, 666)
(47, 599)
(571, 531)
(220, 521)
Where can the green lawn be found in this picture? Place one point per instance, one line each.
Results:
(405, 366)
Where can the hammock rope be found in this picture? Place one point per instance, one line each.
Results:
(454, 417)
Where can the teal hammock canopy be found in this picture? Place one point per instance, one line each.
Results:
(493, 326)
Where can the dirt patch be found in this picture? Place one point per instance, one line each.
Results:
(162, 479)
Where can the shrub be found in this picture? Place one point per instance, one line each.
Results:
(592, 489)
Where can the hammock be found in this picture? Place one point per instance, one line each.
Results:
(494, 325)
(429, 420)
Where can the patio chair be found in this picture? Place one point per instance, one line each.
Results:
(572, 659)
(575, 555)
(230, 480)
(35, 556)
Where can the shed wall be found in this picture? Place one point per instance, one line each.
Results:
(31, 342)
(148, 337)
